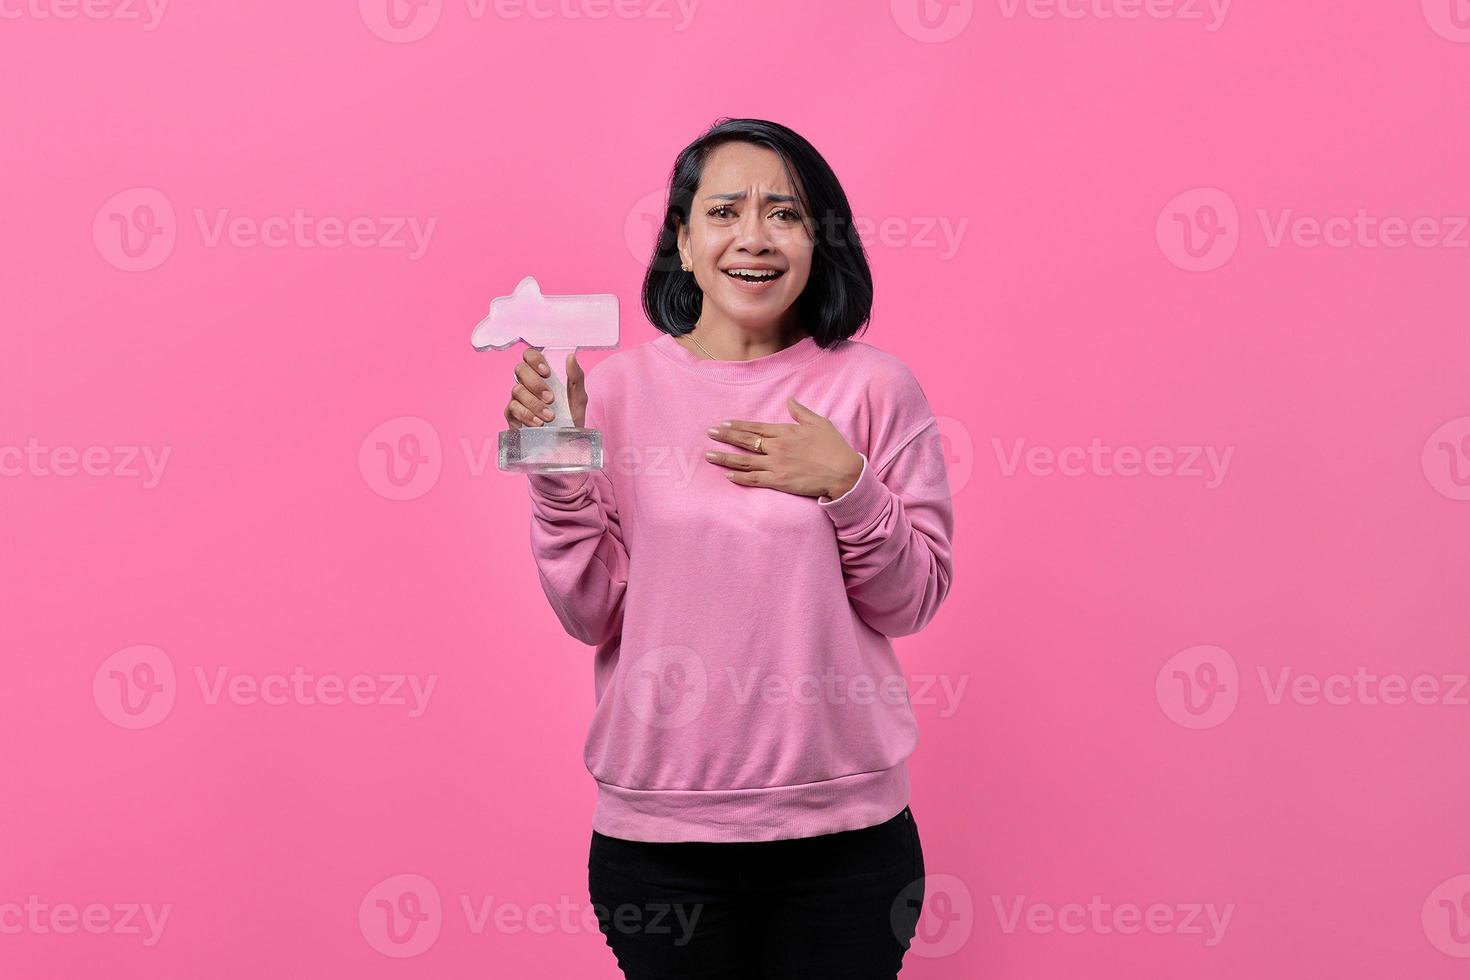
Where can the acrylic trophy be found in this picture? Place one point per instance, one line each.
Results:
(558, 325)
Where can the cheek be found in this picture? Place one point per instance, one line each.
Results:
(801, 270)
(710, 242)
(799, 254)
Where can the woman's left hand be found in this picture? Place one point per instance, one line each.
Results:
(809, 458)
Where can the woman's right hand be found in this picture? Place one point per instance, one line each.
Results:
(530, 396)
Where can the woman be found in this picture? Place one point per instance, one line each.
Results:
(772, 508)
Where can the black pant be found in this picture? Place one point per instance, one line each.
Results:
(842, 906)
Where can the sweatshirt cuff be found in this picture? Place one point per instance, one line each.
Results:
(861, 505)
(558, 486)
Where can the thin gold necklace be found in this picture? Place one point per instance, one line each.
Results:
(701, 347)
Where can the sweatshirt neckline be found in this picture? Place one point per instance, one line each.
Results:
(738, 372)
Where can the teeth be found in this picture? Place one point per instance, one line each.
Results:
(752, 273)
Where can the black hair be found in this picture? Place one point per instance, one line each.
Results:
(838, 297)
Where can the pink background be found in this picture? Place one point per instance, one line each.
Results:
(1065, 155)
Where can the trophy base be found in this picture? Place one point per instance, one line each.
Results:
(550, 449)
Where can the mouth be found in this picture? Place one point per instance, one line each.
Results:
(753, 279)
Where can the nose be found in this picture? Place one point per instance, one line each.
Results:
(751, 234)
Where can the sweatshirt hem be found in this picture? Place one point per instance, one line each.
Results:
(828, 806)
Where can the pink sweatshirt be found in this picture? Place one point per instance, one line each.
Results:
(746, 688)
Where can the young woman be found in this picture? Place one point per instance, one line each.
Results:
(773, 508)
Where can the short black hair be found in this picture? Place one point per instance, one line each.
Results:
(838, 298)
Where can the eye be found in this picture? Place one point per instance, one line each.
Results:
(725, 210)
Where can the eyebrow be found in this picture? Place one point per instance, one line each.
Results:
(770, 198)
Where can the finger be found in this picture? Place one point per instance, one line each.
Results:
(734, 437)
(767, 429)
(755, 478)
(532, 402)
(738, 461)
(741, 439)
(537, 361)
(759, 428)
(519, 415)
(574, 373)
(532, 382)
(801, 413)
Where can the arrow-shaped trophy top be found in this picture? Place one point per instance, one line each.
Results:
(549, 322)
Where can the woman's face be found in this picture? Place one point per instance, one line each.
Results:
(745, 215)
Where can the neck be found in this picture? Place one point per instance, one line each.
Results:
(728, 341)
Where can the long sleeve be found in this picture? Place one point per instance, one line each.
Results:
(577, 543)
(894, 530)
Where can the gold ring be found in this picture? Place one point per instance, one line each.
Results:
(757, 443)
